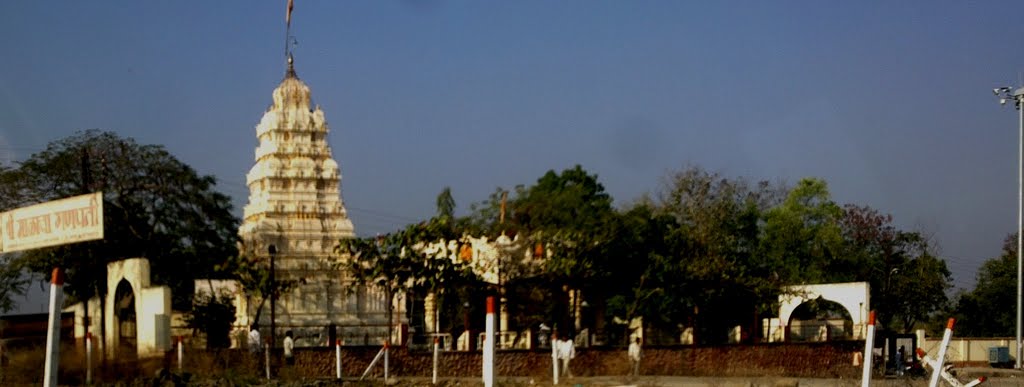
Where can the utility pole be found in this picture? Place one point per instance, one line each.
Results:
(1004, 94)
(273, 296)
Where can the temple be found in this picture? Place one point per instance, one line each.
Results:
(295, 205)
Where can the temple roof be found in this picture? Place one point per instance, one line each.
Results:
(292, 92)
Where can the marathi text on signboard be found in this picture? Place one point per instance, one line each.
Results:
(74, 219)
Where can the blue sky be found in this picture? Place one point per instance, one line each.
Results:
(890, 102)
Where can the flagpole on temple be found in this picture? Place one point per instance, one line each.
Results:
(288, 27)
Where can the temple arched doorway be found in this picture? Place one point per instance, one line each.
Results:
(820, 320)
(125, 320)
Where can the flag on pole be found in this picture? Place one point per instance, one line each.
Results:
(288, 17)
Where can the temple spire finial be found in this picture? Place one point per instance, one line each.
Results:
(291, 68)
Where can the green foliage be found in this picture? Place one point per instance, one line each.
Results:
(12, 284)
(155, 207)
(213, 315)
(908, 283)
(446, 204)
(708, 269)
(392, 262)
(254, 275)
(988, 310)
(571, 215)
(802, 238)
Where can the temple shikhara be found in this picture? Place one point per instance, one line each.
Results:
(295, 205)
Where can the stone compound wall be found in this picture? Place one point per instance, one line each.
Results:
(822, 360)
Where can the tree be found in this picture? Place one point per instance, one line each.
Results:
(639, 289)
(908, 283)
(802, 238)
(446, 204)
(254, 276)
(382, 262)
(921, 284)
(571, 214)
(212, 314)
(155, 207)
(988, 309)
(710, 274)
(12, 283)
(443, 270)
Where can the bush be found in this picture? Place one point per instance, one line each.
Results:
(212, 315)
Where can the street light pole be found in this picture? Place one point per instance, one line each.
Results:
(1004, 94)
(273, 296)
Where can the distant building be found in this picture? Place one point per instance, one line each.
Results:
(295, 204)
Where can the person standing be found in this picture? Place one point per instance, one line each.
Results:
(900, 355)
(289, 348)
(254, 339)
(566, 352)
(634, 356)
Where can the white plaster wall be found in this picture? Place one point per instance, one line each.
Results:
(136, 272)
(855, 297)
(155, 304)
(968, 349)
(149, 303)
(95, 310)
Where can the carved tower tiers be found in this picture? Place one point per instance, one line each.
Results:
(295, 204)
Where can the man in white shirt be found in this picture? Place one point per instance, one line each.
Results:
(566, 352)
(254, 339)
(634, 356)
(289, 348)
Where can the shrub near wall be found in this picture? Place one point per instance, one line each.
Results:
(822, 360)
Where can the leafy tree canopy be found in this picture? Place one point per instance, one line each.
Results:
(155, 206)
(988, 310)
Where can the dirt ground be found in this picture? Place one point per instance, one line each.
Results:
(644, 381)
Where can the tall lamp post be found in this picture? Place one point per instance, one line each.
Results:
(273, 296)
(1017, 96)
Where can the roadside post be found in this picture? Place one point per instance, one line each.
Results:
(53, 223)
(337, 358)
(869, 347)
(489, 345)
(941, 357)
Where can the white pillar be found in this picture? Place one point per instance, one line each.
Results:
(554, 359)
(386, 350)
(430, 312)
(181, 353)
(88, 358)
(435, 359)
(489, 345)
(53, 331)
(869, 348)
(266, 358)
(337, 357)
(941, 357)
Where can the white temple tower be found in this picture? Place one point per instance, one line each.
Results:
(295, 204)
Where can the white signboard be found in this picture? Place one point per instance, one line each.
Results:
(74, 219)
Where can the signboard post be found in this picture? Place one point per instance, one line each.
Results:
(53, 331)
(59, 222)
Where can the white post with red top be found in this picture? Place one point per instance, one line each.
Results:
(53, 329)
(554, 358)
(869, 348)
(387, 346)
(435, 359)
(181, 353)
(946, 375)
(266, 357)
(337, 358)
(941, 357)
(489, 345)
(88, 357)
